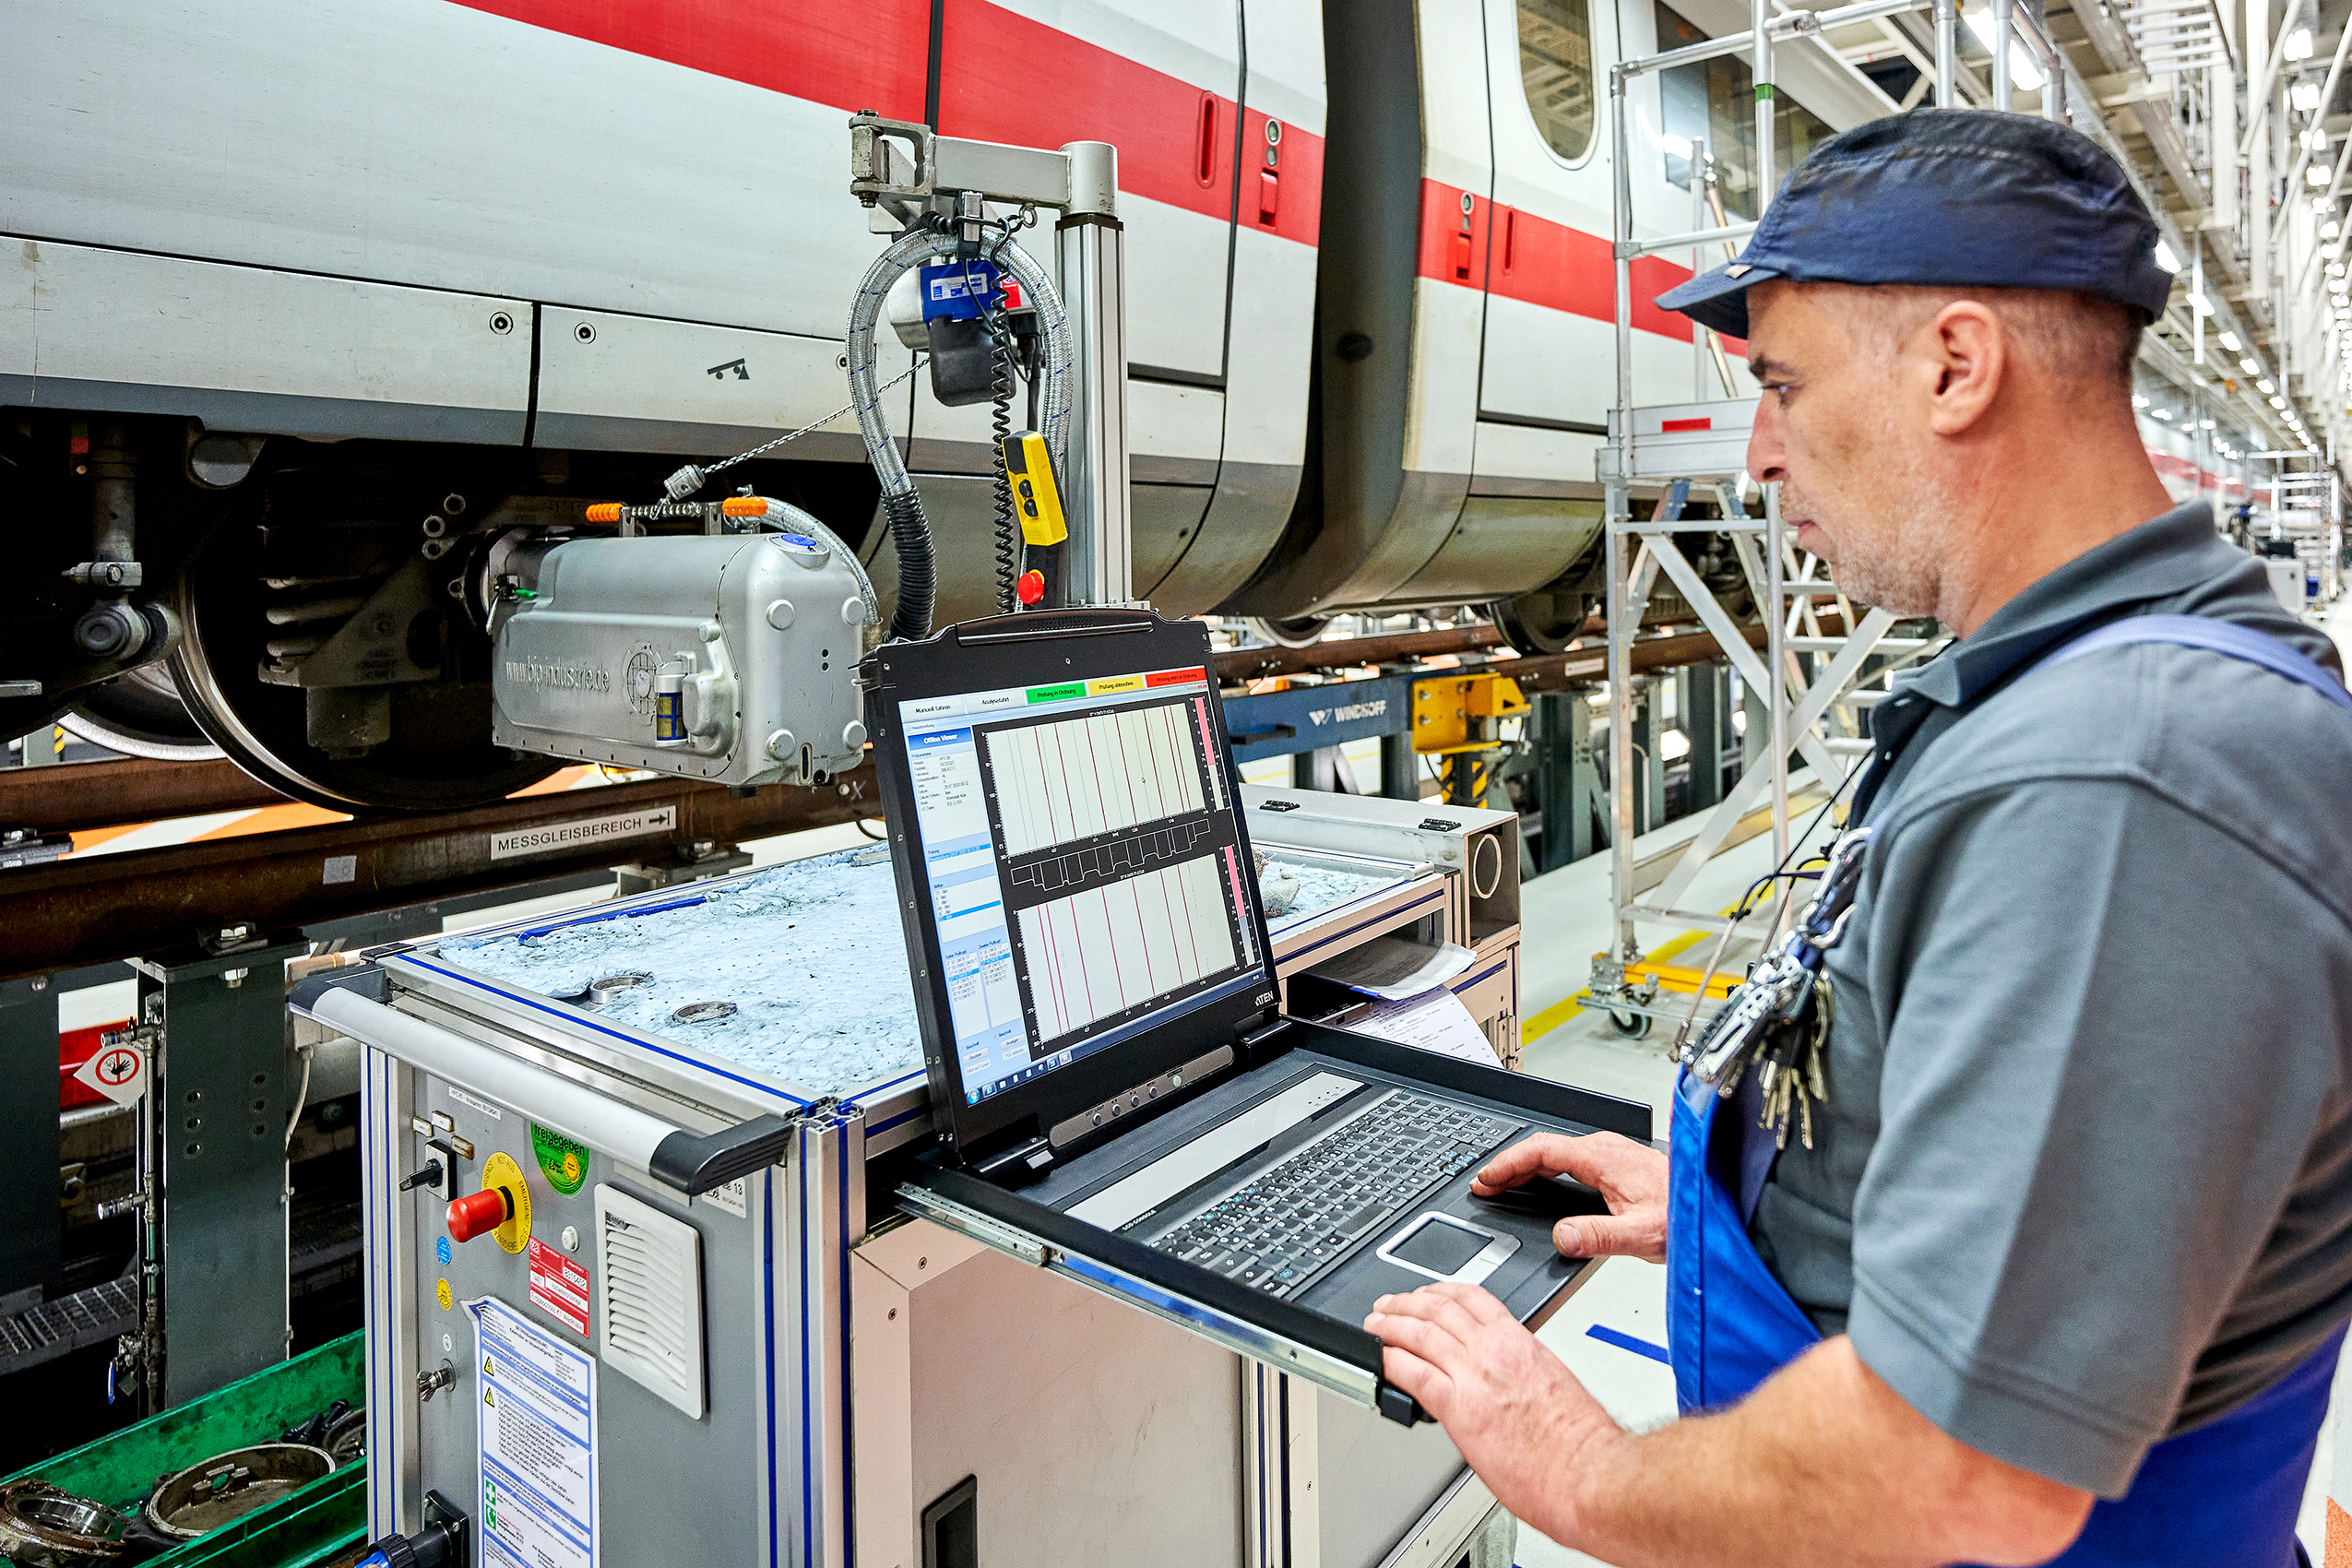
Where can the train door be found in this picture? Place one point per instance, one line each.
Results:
(1161, 84)
(1278, 135)
(1399, 302)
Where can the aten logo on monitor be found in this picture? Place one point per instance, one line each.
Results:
(566, 677)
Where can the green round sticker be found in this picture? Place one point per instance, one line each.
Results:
(565, 1162)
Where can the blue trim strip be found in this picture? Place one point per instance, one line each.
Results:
(800, 1169)
(848, 1446)
(1473, 979)
(776, 1553)
(1627, 1342)
(1436, 896)
(526, 934)
(898, 1121)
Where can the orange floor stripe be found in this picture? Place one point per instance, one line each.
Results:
(91, 837)
(269, 819)
(2337, 1553)
(555, 783)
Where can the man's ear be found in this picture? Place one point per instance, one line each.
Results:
(1968, 349)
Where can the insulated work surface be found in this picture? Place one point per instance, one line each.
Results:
(1294, 889)
(809, 955)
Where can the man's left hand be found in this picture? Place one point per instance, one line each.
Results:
(1518, 1414)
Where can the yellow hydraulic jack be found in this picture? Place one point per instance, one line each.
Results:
(1460, 719)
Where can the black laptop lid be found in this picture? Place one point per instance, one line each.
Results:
(1073, 869)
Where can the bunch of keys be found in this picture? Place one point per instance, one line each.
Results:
(1778, 1019)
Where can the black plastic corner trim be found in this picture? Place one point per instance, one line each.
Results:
(1602, 1113)
(1332, 1338)
(1400, 1406)
(694, 1166)
(367, 980)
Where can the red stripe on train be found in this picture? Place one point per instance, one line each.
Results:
(872, 54)
(1542, 262)
(1003, 78)
(1153, 119)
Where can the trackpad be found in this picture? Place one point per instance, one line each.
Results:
(1440, 1249)
(1443, 1247)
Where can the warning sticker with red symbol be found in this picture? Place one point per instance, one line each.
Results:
(118, 1071)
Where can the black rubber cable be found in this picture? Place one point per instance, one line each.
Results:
(910, 534)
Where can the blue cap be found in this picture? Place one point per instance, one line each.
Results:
(1965, 197)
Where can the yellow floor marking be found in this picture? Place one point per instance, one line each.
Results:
(1568, 1007)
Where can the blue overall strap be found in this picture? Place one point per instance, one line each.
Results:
(2215, 636)
(1729, 1324)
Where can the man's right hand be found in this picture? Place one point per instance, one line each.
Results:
(1629, 1176)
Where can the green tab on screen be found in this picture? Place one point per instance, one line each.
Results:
(1062, 693)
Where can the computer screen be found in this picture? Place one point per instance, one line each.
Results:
(1083, 862)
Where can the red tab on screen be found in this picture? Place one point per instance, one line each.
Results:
(1669, 426)
(1194, 676)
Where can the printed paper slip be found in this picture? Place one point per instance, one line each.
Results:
(1390, 968)
(1436, 1021)
(536, 1414)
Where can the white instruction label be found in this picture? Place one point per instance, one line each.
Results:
(734, 1197)
(536, 1421)
(585, 831)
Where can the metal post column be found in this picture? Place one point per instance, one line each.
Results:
(29, 1180)
(1776, 670)
(1092, 245)
(1400, 768)
(1760, 20)
(1947, 52)
(219, 1112)
(1617, 511)
(2003, 30)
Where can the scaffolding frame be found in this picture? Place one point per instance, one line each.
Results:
(1705, 442)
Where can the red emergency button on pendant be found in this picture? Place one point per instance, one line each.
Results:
(478, 1214)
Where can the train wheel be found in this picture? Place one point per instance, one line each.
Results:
(252, 591)
(1305, 631)
(140, 714)
(1543, 622)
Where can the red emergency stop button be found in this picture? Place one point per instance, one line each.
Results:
(479, 1214)
(1030, 588)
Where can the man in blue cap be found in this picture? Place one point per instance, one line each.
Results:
(2064, 1268)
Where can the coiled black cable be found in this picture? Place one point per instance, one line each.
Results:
(1008, 542)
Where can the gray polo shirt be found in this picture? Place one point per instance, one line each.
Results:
(2085, 1180)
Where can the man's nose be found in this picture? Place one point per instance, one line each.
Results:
(1767, 458)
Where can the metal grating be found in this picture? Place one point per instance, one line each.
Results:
(68, 1324)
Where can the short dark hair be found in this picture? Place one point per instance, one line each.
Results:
(2079, 339)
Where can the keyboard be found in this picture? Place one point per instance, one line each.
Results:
(1284, 1228)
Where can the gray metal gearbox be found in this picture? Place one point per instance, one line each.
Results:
(727, 658)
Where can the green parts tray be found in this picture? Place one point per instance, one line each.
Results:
(321, 1523)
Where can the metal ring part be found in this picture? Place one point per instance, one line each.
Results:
(703, 1012)
(42, 1526)
(604, 990)
(205, 1496)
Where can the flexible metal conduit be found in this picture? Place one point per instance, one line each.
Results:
(909, 530)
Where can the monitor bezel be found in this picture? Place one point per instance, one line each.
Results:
(1010, 651)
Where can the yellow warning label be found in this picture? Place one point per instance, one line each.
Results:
(441, 1294)
(501, 1171)
(1111, 683)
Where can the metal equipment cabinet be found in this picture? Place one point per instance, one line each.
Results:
(746, 1326)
